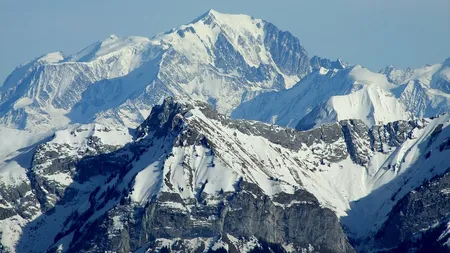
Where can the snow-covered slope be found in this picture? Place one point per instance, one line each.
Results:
(30, 186)
(329, 95)
(219, 58)
(15, 154)
(186, 157)
(425, 92)
(40, 94)
(75, 177)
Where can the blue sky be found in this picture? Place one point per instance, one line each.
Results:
(371, 33)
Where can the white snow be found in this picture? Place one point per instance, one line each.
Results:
(78, 134)
(354, 93)
(111, 46)
(373, 105)
(119, 79)
(444, 234)
(345, 187)
(146, 183)
(23, 102)
(359, 195)
(53, 57)
(16, 152)
(12, 173)
(402, 76)
(445, 191)
(11, 230)
(96, 93)
(61, 178)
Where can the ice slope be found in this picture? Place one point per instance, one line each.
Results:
(329, 95)
(219, 58)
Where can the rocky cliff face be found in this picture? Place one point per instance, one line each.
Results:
(244, 219)
(319, 62)
(420, 220)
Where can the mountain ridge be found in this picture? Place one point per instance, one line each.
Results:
(212, 59)
(326, 96)
(227, 59)
(113, 147)
(186, 152)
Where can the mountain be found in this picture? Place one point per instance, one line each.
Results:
(343, 92)
(233, 184)
(186, 164)
(150, 145)
(318, 62)
(244, 67)
(220, 58)
(411, 216)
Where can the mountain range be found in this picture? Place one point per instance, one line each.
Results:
(222, 135)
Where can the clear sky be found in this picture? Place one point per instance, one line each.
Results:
(372, 33)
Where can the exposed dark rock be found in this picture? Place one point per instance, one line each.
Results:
(286, 51)
(418, 219)
(248, 212)
(318, 62)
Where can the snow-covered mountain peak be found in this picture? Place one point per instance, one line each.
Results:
(186, 155)
(402, 76)
(387, 69)
(363, 76)
(137, 131)
(342, 62)
(48, 58)
(237, 20)
(113, 37)
(109, 47)
(240, 21)
(204, 16)
(198, 39)
(24, 69)
(53, 57)
(223, 59)
(354, 93)
(446, 62)
(212, 13)
(318, 62)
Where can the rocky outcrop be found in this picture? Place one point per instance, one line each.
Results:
(360, 140)
(420, 220)
(286, 51)
(286, 219)
(319, 62)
